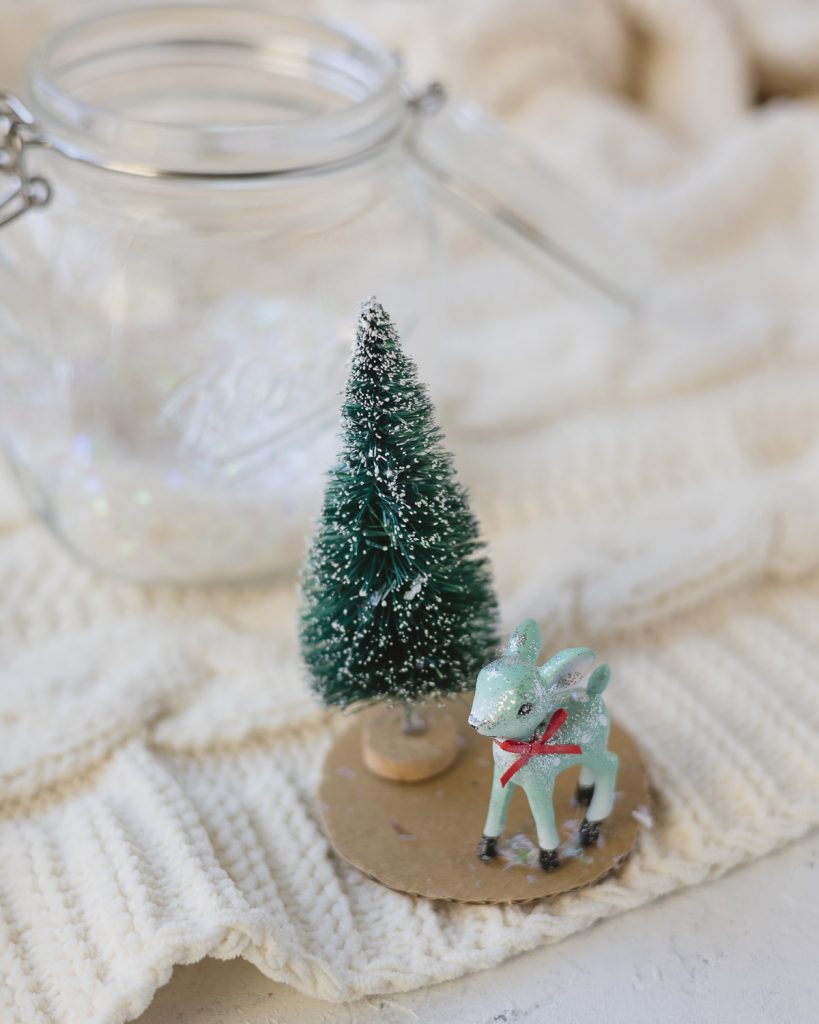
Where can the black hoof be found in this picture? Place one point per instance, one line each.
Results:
(584, 795)
(549, 860)
(487, 848)
(589, 832)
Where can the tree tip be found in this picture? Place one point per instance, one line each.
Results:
(375, 327)
(371, 309)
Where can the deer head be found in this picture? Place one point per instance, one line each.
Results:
(513, 696)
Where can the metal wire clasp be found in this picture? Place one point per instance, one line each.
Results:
(427, 101)
(17, 133)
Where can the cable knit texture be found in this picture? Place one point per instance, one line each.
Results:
(661, 474)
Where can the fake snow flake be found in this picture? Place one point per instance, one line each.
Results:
(572, 849)
(415, 589)
(644, 816)
(519, 851)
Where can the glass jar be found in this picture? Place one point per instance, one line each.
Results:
(222, 186)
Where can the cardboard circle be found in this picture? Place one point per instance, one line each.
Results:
(420, 837)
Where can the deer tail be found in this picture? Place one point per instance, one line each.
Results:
(598, 680)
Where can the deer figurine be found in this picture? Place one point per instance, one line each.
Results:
(543, 722)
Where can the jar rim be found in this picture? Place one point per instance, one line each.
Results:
(209, 90)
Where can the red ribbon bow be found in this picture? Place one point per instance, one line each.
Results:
(535, 747)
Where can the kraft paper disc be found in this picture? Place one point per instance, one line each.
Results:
(420, 837)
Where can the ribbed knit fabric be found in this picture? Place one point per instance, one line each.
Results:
(649, 487)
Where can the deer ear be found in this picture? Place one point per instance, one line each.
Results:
(525, 642)
(567, 668)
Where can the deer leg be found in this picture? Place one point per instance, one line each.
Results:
(602, 800)
(542, 806)
(585, 786)
(495, 819)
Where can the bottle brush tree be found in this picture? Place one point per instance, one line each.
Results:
(397, 596)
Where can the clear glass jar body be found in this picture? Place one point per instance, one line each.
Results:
(173, 338)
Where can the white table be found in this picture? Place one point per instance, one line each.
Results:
(743, 949)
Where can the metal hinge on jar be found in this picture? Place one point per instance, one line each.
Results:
(427, 101)
(17, 133)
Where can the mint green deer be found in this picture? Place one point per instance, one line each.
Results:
(542, 723)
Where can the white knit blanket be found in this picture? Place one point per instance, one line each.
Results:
(650, 489)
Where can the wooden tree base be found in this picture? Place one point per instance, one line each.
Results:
(421, 839)
(391, 753)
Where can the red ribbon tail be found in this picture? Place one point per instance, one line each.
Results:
(514, 767)
(555, 722)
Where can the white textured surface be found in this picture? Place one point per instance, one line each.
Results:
(651, 489)
(733, 950)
